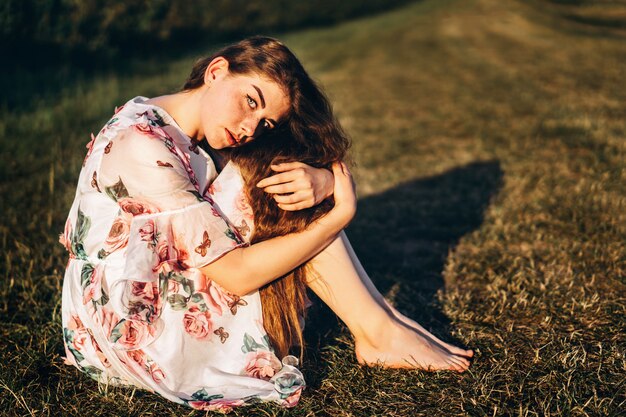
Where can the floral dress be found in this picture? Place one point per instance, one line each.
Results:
(149, 211)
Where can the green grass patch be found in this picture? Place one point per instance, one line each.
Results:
(491, 160)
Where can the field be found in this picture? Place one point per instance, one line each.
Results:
(489, 141)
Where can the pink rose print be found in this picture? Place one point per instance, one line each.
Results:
(293, 399)
(89, 148)
(225, 406)
(148, 233)
(136, 207)
(80, 333)
(262, 364)
(118, 235)
(157, 373)
(103, 359)
(198, 323)
(133, 333)
(165, 253)
(93, 290)
(168, 253)
(164, 164)
(182, 254)
(145, 291)
(79, 341)
(66, 238)
(150, 130)
(107, 320)
(138, 356)
(241, 202)
(144, 303)
(215, 297)
(69, 359)
(215, 187)
(173, 286)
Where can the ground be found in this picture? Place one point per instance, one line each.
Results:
(489, 142)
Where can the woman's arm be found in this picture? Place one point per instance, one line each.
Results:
(246, 269)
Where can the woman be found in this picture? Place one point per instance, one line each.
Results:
(162, 288)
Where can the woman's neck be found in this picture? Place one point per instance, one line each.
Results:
(184, 107)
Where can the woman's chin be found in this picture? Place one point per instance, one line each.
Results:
(218, 144)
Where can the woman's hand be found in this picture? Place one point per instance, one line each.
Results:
(298, 185)
(345, 196)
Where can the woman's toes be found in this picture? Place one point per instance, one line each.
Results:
(455, 366)
(464, 361)
(468, 353)
(458, 351)
(461, 362)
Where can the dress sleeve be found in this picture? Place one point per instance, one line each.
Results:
(171, 229)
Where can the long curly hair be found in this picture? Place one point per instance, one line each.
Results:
(310, 134)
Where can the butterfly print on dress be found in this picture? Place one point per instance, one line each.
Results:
(94, 181)
(244, 229)
(206, 243)
(222, 334)
(237, 301)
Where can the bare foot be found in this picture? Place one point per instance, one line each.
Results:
(400, 346)
(425, 333)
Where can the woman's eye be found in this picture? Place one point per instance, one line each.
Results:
(266, 125)
(251, 102)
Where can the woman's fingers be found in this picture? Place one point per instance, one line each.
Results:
(286, 182)
(294, 196)
(295, 179)
(281, 178)
(287, 166)
(293, 207)
(312, 185)
(290, 187)
(299, 197)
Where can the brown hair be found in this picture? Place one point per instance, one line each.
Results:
(310, 134)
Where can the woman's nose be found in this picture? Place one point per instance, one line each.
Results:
(249, 126)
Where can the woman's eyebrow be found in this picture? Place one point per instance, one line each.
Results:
(258, 90)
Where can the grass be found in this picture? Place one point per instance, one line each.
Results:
(489, 137)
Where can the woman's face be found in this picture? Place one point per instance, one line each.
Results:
(236, 109)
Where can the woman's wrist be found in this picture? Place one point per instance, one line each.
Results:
(337, 219)
(330, 183)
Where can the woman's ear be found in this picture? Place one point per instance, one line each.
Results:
(218, 68)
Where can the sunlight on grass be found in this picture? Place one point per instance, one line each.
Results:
(490, 160)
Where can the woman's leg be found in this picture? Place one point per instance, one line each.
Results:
(381, 334)
(379, 297)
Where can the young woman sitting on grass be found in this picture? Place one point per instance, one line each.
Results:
(192, 284)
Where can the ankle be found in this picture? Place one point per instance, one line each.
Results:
(378, 329)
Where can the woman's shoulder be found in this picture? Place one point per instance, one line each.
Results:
(133, 115)
(140, 128)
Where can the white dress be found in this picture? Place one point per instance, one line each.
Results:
(149, 211)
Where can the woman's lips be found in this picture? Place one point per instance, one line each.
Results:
(231, 139)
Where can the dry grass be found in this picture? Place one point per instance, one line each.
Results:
(489, 137)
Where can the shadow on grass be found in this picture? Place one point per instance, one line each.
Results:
(403, 236)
